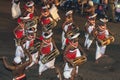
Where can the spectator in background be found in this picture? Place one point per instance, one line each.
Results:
(96, 1)
(111, 10)
(117, 10)
(15, 9)
(91, 8)
(102, 34)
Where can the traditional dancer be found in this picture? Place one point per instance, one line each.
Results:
(29, 11)
(103, 38)
(67, 26)
(19, 31)
(29, 43)
(45, 17)
(72, 52)
(89, 27)
(26, 42)
(48, 52)
(28, 17)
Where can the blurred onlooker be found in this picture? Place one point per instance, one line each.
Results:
(91, 8)
(83, 5)
(96, 2)
(111, 10)
(68, 4)
(101, 9)
(15, 9)
(117, 10)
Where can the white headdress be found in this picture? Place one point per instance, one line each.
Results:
(74, 36)
(69, 12)
(47, 35)
(30, 4)
(103, 20)
(92, 16)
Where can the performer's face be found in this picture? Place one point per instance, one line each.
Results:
(48, 40)
(45, 13)
(92, 21)
(102, 27)
(30, 9)
(74, 42)
(31, 35)
(69, 18)
(21, 24)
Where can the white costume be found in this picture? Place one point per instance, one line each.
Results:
(63, 35)
(88, 36)
(67, 69)
(101, 49)
(19, 51)
(91, 26)
(50, 64)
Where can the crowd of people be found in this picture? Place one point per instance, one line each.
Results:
(108, 8)
(37, 46)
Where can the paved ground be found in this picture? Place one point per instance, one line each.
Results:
(87, 71)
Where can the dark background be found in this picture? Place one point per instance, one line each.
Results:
(87, 71)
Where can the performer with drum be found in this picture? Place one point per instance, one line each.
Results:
(47, 53)
(89, 27)
(45, 17)
(67, 26)
(25, 42)
(103, 38)
(73, 56)
(19, 31)
(28, 42)
(29, 11)
(28, 17)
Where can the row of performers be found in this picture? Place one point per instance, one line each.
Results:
(98, 32)
(43, 50)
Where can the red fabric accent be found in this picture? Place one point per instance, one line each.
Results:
(41, 38)
(21, 77)
(19, 34)
(45, 21)
(19, 20)
(25, 7)
(31, 43)
(67, 41)
(71, 55)
(46, 50)
(101, 36)
(31, 15)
